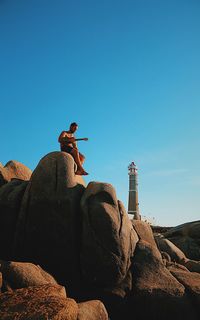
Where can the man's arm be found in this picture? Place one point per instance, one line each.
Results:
(65, 138)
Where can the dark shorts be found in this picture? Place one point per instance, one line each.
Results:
(66, 149)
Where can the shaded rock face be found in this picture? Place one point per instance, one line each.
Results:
(14, 169)
(48, 226)
(187, 238)
(108, 239)
(11, 195)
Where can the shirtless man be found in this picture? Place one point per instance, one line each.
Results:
(68, 144)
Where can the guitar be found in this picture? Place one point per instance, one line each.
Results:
(85, 139)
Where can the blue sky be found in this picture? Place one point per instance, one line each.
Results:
(128, 72)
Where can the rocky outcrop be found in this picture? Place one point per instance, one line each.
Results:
(83, 237)
(14, 170)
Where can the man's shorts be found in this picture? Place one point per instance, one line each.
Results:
(67, 149)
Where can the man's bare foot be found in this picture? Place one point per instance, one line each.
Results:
(81, 172)
(85, 173)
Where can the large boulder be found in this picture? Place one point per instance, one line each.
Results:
(108, 240)
(150, 274)
(38, 302)
(11, 195)
(14, 169)
(186, 237)
(49, 223)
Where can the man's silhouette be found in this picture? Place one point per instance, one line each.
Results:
(68, 144)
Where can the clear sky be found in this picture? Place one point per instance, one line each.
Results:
(128, 72)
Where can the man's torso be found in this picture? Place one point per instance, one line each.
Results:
(68, 134)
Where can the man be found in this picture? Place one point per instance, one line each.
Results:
(68, 144)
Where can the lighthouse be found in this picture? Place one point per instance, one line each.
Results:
(133, 205)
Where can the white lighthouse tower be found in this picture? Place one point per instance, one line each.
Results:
(133, 205)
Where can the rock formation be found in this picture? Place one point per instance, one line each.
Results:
(83, 237)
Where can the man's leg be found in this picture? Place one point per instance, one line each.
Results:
(81, 157)
(76, 157)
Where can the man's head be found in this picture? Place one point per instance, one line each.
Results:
(73, 127)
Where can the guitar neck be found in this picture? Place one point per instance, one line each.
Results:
(79, 139)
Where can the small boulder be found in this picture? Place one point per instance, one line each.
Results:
(92, 310)
(18, 275)
(14, 169)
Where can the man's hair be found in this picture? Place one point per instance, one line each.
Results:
(73, 124)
